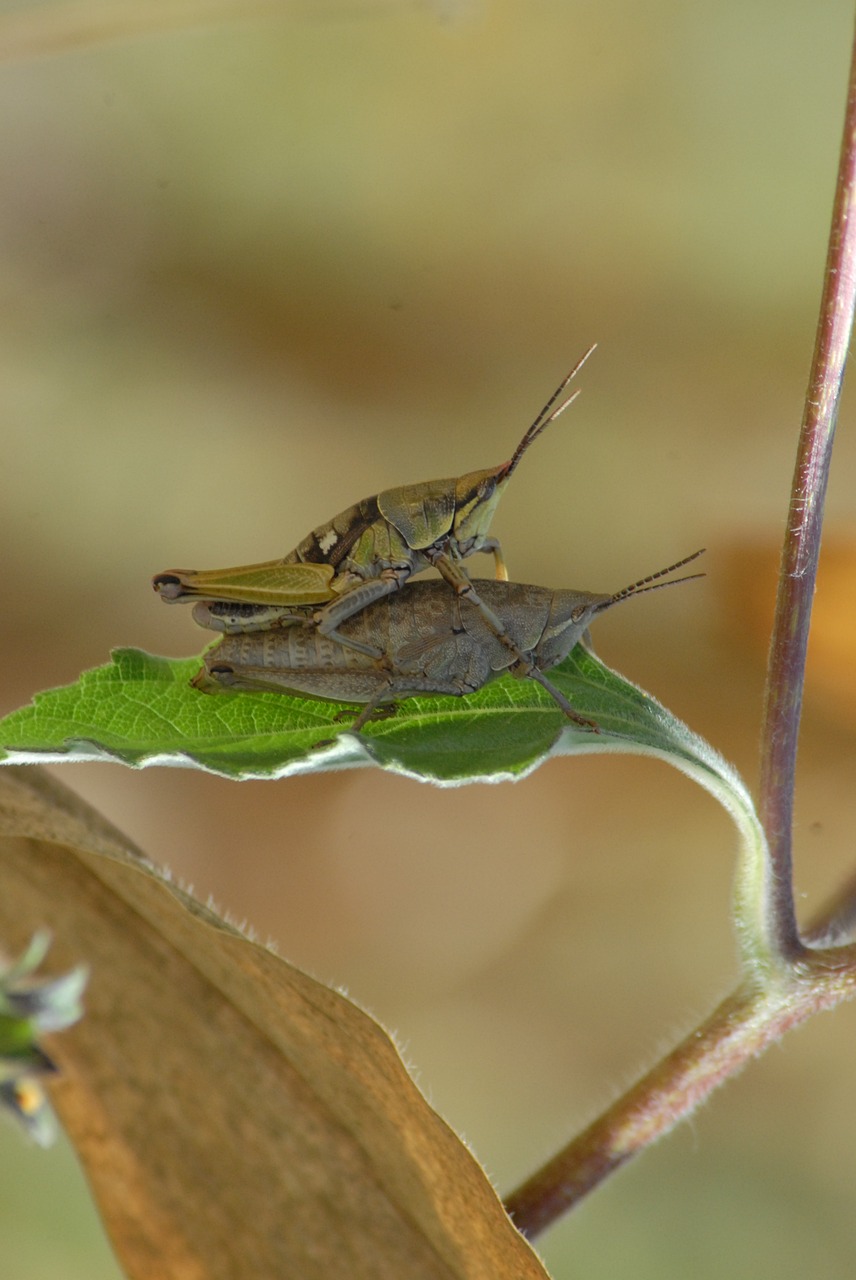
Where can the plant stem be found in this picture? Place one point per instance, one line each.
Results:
(741, 1028)
(798, 571)
(798, 980)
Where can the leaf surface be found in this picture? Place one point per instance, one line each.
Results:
(140, 710)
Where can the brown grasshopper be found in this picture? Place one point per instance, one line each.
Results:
(432, 642)
(365, 553)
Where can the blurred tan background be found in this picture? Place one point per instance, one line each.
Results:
(253, 271)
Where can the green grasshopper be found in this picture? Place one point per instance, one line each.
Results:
(431, 642)
(367, 552)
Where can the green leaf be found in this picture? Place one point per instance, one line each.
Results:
(141, 710)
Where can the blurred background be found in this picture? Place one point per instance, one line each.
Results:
(255, 270)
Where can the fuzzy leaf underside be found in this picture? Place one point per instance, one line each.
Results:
(140, 710)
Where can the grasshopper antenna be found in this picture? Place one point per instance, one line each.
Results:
(545, 417)
(651, 583)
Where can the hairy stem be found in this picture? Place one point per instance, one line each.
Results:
(793, 981)
(741, 1028)
(798, 571)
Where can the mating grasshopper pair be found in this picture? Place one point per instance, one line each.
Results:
(432, 642)
(327, 618)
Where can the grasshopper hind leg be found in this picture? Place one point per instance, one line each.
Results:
(331, 616)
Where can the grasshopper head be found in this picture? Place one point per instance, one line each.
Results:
(476, 496)
(478, 492)
(572, 612)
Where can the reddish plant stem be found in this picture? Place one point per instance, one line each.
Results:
(798, 571)
(835, 924)
(740, 1029)
(748, 1021)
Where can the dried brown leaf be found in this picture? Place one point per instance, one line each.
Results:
(235, 1117)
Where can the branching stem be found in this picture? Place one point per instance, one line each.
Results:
(785, 980)
(798, 571)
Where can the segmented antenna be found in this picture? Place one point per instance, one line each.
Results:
(638, 588)
(545, 417)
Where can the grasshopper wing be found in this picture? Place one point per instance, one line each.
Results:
(272, 583)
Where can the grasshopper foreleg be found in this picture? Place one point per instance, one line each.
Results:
(463, 586)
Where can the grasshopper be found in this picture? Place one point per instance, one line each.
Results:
(432, 642)
(365, 553)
